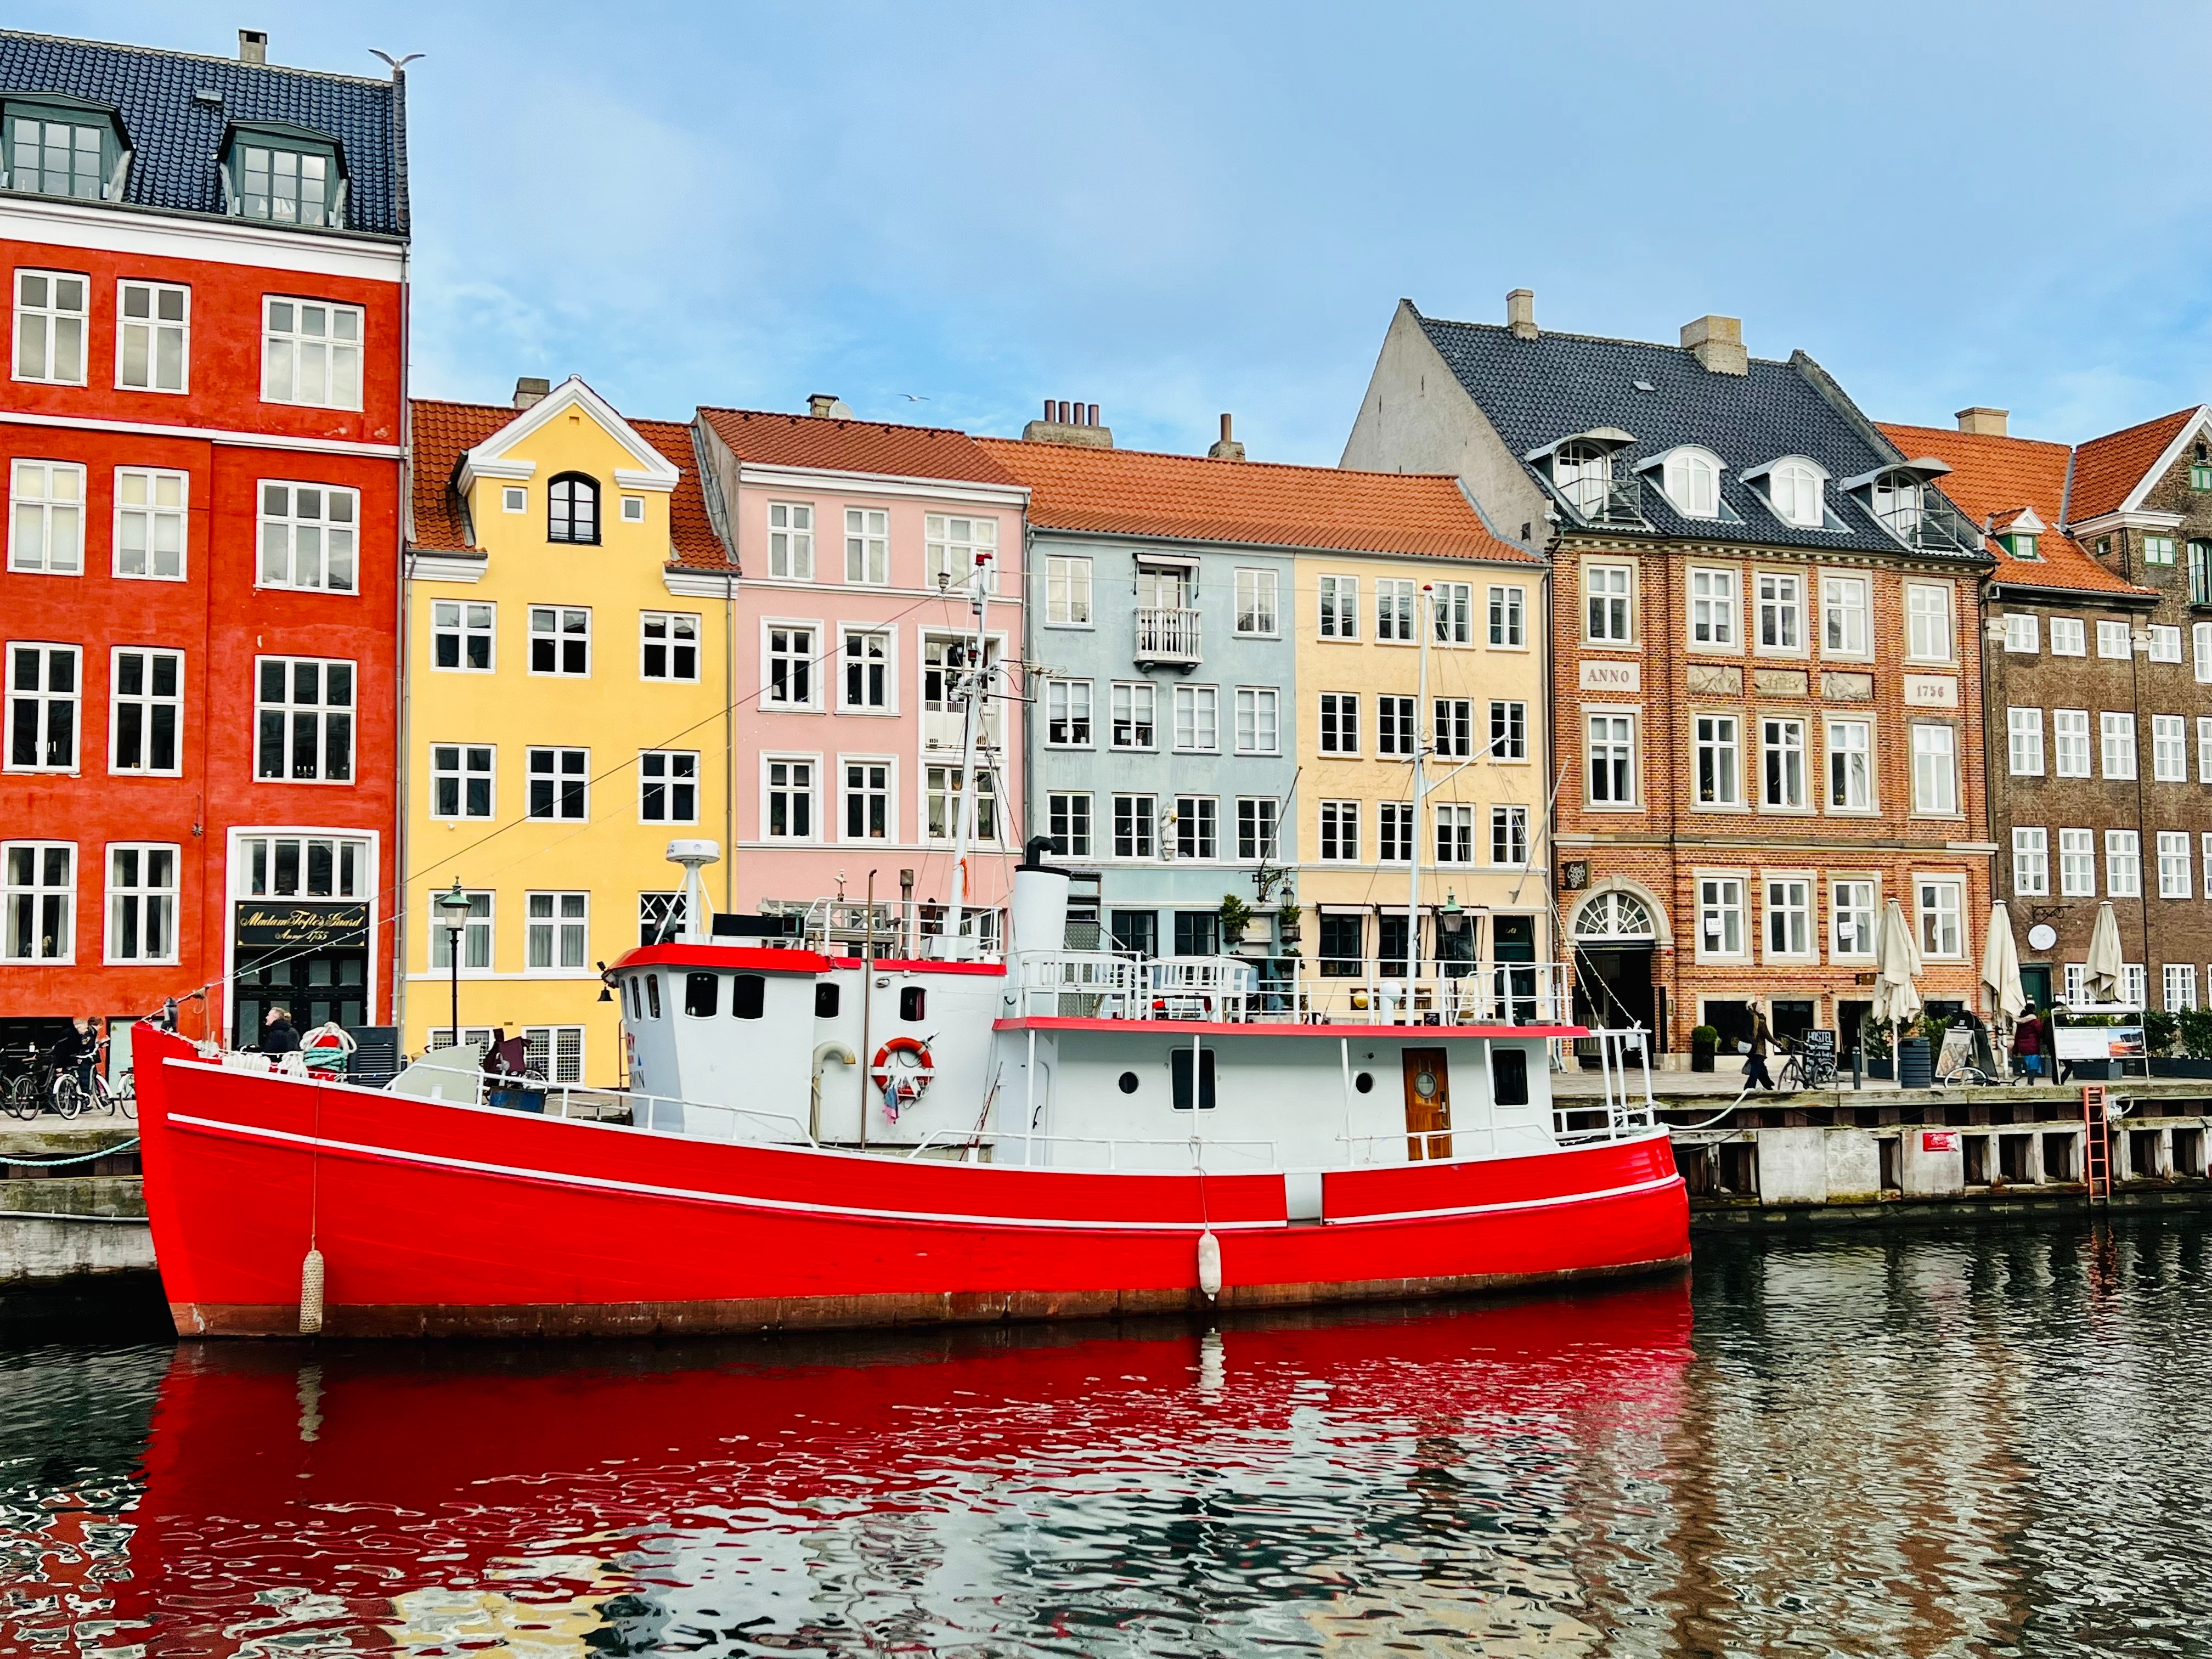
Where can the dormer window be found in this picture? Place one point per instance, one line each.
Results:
(2020, 545)
(1795, 487)
(284, 177)
(1691, 478)
(1898, 494)
(62, 148)
(1583, 473)
(1897, 502)
(1579, 468)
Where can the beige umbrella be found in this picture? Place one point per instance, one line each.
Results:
(1896, 961)
(2001, 968)
(2104, 969)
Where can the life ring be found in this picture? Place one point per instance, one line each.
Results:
(901, 1085)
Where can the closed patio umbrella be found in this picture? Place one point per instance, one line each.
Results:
(2001, 968)
(2104, 970)
(1897, 961)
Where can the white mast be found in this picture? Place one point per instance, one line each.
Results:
(1425, 625)
(974, 682)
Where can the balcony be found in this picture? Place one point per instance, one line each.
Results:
(1166, 635)
(1605, 502)
(1930, 526)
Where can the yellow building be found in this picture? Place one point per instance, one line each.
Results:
(567, 711)
(1485, 894)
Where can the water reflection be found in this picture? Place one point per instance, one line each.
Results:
(1919, 1445)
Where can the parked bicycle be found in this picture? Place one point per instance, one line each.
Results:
(35, 1083)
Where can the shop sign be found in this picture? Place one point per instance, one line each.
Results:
(1574, 875)
(273, 924)
(1939, 1141)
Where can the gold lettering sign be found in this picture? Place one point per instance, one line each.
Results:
(269, 925)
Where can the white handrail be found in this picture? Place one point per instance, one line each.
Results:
(1195, 1145)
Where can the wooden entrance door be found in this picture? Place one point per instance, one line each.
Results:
(1428, 1103)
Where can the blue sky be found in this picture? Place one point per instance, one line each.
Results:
(1171, 211)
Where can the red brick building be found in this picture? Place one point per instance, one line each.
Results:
(203, 432)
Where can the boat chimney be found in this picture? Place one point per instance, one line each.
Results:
(1039, 905)
(698, 915)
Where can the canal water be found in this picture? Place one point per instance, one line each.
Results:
(1991, 1442)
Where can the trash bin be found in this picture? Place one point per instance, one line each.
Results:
(1916, 1064)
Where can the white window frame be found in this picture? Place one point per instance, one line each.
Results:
(783, 646)
(1930, 623)
(1776, 735)
(948, 796)
(633, 509)
(1259, 827)
(1134, 832)
(1397, 609)
(1336, 614)
(514, 498)
(2200, 637)
(149, 329)
(2116, 744)
(1140, 699)
(867, 547)
(1855, 614)
(2205, 748)
(2123, 864)
(2070, 753)
(32, 898)
(152, 522)
(555, 1053)
(47, 700)
(1506, 613)
(1509, 830)
(869, 790)
(2024, 741)
(2069, 638)
(50, 508)
(1263, 705)
(1692, 480)
(1794, 484)
(1609, 604)
(2169, 749)
(2077, 863)
(1393, 832)
(146, 700)
(1946, 916)
(1069, 705)
(1713, 620)
(559, 772)
(2022, 633)
(791, 541)
(129, 904)
(2115, 639)
(1258, 615)
(882, 664)
(2165, 643)
(779, 783)
(1198, 829)
(454, 619)
(1934, 769)
(1794, 889)
(2177, 979)
(567, 917)
(1397, 725)
(1701, 744)
(1867, 775)
(1721, 900)
(1067, 590)
(1778, 607)
(1454, 825)
(2031, 862)
(1622, 730)
(1339, 842)
(462, 770)
(670, 642)
(1197, 719)
(479, 938)
(952, 543)
(1856, 898)
(561, 637)
(1337, 730)
(335, 535)
(318, 366)
(52, 319)
(1070, 820)
(2173, 864)
(672, 769)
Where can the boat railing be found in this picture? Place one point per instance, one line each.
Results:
(894, 928)
(1626, 1107)
(694, 1120)
(972, 1142)
(1459, 993)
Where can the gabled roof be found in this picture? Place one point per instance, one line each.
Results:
(1535, 392)
(2111, 472)
(768, 438)
(1133, 493)
(176, 139)
(445, 432)
(1994, 478)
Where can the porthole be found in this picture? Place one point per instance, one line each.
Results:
(1128, 1083)
(1364, 1083)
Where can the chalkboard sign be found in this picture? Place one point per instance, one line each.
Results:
(1817, 1053)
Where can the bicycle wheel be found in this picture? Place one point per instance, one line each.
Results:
(22, 1098)
(126, 1097)
(68, 1097)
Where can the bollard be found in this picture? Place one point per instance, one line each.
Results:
(1857, 1082)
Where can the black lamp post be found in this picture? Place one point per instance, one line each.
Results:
(455, 905)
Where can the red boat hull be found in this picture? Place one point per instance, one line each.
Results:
(442, 1220)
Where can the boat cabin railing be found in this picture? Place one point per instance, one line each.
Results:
(910, 929)
(1108, 985)
(1199, 1151)
(1625, 1107)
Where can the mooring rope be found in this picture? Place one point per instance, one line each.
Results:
(9, 1160)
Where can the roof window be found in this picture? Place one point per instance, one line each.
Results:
(60, 146)
(285, 177)
(2020, 545)
(1581, 472)
(1796, 489)
(1691, 477)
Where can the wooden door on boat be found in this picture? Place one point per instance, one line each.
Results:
(1428, 1103)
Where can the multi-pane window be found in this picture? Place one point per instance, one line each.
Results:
(2069, 743)
(285, 186)
(941, 802)
(1612, 760)
(1341, 944)
(462, 636)
(2020, 632)
(1509, 730)
(141, 902)
(1133, 703)
(1339, 607)
(2158, 550)
(867, 546)
(791, 541)
(39, 892)
(2204, 853)
(560, 640)
(1928, 622)
(1256, 602)
(1606, 614)
(2205, 748)
(475, 936)
(55, 157)
(668, 645)
(1456, 838)
(1509, 835)
(1508, 615)
(2024, 741)
(1452, 728)
(1134, 818)
(1067, 820)
(789, 799)
(1068, 714)
(1393, 609)
(461, 779)
(45, 518)
(1257, 730)
(2180, 985)
(1720, 916)
(2031, 862)
(2134, 984)
(867, 656)
(1851, 921)
(1712, 609)
(556, 931)
(1781, 611)
(1394, 726)
(1942, 904)
(1197, 827)
(153, 333)
(1340, 723)
(46, 685)
(2116, 740)
(49, 325)
(2169, 749)
(1934, 769)
(790, 667)
(2123, 864)
(1782, 754)
(1198, 719)
(1789, 916)
(659, 917)
(1067, 590)
(953, 545)
(2173, 864)
(2165, 643)
(1844, 611)
(146, 704)
(2200, 639)
(555, 1053)
(668, 786)
(1393, 832)
(311, 353)
(2112, 641)
(1851, 766)
(149, 523)
(1340, 832)
(306, 866)
(2077, 864)
(1256, 827)
(308, 537)
(868, 811)
(1718, 767)
(2069, 638)
(560, 783)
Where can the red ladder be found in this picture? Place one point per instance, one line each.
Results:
(2096, 1144)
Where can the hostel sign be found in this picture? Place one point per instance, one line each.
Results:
(262, 926)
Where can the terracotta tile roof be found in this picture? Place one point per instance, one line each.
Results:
(774, 439)
(1994, 478)
(2107, 468)
(1135, 493)
(444, 432)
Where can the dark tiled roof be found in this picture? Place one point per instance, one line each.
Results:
(1537, 392)
(176, 140)
(840, 446)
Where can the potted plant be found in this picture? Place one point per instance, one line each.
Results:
(2190, 1030)
(1874, 1049)
(1705, 1042)
(1236, 917)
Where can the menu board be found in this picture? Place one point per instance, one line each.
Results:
(1817, 1052)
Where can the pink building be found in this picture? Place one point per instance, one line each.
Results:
(854, 541)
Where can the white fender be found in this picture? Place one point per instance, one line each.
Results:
(1209, 1264)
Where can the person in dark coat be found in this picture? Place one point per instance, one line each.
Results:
(278, 1035)
(78, 1050)
(1762, 1039)
(2028, 1043)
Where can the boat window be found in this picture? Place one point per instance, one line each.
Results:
(636, 999)
(1128, 1083)
(825, 1001)
(748, 995)
(653, 993)
(912, 1002)
(1508, 1076)
(703, 993)
(1179, 1064)
(1364, 1083)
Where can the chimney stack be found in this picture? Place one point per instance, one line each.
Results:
(253, 45)
(1981, 422)
(1069, 422)
(1228, 449)
(1717, 345)
(530, 389)
(1520, 313)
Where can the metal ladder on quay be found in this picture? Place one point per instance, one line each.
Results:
(2096, 1143)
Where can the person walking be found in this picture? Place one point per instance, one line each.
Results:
(279, 1035)
(2027, 1045)
(1762, 1039)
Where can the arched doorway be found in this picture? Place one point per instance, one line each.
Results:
(1614, 939)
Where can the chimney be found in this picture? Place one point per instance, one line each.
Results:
(531, 389)
(1069, 422)
(1520, 313)
(1981, 422)
(1228, 449)
(819, 403)
(253, 45)
(1717, 345)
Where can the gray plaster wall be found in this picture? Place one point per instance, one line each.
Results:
(33, 1250)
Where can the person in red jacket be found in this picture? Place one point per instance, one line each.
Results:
(2028, 1043)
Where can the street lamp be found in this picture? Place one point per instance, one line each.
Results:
(455, 904)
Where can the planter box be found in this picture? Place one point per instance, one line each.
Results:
(1701, 1059)
(2179, 1067)
(1880, 1066)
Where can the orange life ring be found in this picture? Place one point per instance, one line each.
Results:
(909, 1082)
